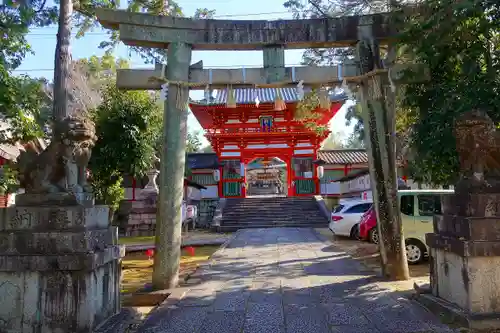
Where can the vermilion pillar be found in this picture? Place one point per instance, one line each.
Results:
(315, 173)
(289, 177)
(243, 185)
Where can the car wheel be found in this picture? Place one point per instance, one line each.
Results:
(355, 232)
(415, 251)
(373, 235)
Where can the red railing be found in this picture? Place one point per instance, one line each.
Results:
(255, 130)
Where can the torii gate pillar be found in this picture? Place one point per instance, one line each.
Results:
(173, 156)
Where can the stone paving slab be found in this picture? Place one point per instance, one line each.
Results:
(288, 280)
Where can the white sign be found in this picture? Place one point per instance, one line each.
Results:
(193, 193)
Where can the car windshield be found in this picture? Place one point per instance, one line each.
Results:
(337, 209)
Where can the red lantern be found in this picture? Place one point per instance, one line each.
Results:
(150, 253)
(190, 251)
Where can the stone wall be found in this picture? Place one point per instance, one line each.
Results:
(206, 211)
(138, 218)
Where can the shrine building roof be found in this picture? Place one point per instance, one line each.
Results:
(265, 95)
(343, 156)
(335, 156)
(202, 161)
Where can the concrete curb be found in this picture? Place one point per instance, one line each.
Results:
(201, 242)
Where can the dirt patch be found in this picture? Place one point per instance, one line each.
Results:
(137, 270)
(368, 254)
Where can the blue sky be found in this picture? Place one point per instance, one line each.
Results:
(43, 42)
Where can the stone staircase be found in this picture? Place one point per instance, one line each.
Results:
(270, 212)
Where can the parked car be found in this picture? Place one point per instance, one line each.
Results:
(368, 226)
(417, 210)
(344, 220)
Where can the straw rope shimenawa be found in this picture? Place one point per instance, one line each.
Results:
(350, 79)
(231, 102)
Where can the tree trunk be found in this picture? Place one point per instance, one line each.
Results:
(382, 163)
(62, 60)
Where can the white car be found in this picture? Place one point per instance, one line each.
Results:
(345, 217)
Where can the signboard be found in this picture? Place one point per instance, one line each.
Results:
(266, 122)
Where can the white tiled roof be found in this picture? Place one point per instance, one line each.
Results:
(265, 95)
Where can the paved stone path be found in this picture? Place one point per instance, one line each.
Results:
(287, 280)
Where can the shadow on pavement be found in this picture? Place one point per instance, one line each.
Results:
(287, 286)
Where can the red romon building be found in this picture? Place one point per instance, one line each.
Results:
(251, 125)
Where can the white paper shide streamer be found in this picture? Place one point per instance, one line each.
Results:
(164, 91)
(208, 94)
(300, 90)
(391, 82)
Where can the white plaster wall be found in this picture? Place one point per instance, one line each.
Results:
(330, 188)
(212, 191)
(193, 193)
(230, 153)
(303, 151)
(271, 145)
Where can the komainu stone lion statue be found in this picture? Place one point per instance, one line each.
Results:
(62, 166)
(478, 147)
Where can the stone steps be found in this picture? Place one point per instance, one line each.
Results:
(232, 228)
(271, 213)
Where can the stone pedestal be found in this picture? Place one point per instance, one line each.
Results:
(151, 187)
(465, 258)
(59, 268)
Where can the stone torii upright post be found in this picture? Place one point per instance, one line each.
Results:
(181, 36)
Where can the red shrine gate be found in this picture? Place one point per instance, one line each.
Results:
(245, 131)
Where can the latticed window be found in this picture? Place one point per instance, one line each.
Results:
(232, 169)
(302, 166)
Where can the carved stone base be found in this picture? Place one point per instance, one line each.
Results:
(60, 269)
(54, 199)
(465, 259)
(450, 313)
(469, 282)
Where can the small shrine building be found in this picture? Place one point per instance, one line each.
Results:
(243, 125)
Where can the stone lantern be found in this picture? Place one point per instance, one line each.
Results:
(151, 187)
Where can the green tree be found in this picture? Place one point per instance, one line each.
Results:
(354, 142)
(193, 143)
(336, 55)
(333, 141)
(460, 42)
(21, 97)
(101, 71)
(128, 125)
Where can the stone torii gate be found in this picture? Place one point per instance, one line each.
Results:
(183, 35)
